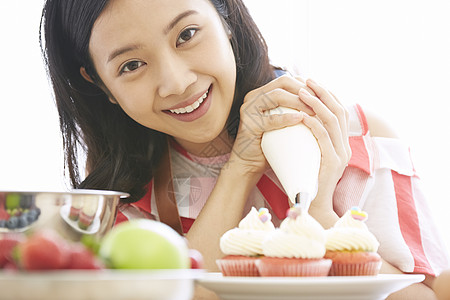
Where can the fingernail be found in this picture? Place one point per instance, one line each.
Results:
(311, 81)
(304, 115)
(304, 92)
(296, 116)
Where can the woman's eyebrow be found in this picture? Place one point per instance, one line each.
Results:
(169, 27)
(121, 51)
(178, 19)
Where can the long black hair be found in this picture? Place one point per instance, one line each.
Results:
(122, 154)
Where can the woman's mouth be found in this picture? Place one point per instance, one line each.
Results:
(192, 107)
(193, 111)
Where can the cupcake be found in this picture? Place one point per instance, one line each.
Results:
(87, 213)
(352, 247)
(243, 245)
(296, 248)
(75, 208)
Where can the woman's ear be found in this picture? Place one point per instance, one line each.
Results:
(85, 75)
(227, 28)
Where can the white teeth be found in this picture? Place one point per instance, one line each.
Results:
(192, 107)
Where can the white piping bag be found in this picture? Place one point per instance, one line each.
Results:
(294, 155)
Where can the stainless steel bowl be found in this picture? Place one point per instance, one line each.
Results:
(72, 214)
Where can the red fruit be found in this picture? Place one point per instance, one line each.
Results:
(44, 250)
(196, 259)
(7, 244)
(82, 258)
(3, 214)
(11, 266)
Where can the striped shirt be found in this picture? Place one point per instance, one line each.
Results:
(380, 178)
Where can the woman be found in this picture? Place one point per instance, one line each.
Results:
(171, 94)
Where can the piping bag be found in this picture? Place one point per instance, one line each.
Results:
(294, 155)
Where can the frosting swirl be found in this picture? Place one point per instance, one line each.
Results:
(350, 233)
(299, 236)
(257, 220)
(246, 239)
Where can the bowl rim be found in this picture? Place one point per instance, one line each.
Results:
(71, 192)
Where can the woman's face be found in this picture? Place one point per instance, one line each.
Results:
(168, 63)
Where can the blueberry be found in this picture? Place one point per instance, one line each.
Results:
(35, 212)
(12, 223)
(31, 217)
(38, 211)
(22, 221)
(2, 223)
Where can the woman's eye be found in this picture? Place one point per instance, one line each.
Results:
(186, 35)
(131, 66)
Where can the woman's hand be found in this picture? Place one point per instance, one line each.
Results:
(329, 124)
(282, 91)
(318, 109)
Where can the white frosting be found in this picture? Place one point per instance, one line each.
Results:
(347, 221)
(349, 234)
(304, 225)
(247, 238)
(302, 237)
(253, 222)
(242, 242)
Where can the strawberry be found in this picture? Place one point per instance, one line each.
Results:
(82, 258)
(44, 250)
(7, 243)
(3, 213)
(196, 259)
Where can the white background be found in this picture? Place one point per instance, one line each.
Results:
(390, 56)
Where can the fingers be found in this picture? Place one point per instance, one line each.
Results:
(321, 134)
(286, 82)
(281, 97)
(278, 121)
(306, 86)
(332, 115)
(282, 91)
(254, 114)
(336, 107)
(331, 102)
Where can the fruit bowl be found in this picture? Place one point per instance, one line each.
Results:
(72, 214)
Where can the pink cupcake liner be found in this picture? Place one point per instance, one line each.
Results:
(74, 213)
(355, 269)
(293, 267)
(238, 267)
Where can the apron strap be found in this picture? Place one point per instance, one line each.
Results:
(164, 194)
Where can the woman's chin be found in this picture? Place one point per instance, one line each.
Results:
(208, 144)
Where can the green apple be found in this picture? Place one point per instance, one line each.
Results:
(144, 244)
(12, 201)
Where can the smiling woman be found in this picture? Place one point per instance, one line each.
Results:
(193, 59)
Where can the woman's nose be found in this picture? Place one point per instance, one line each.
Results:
(175, 75)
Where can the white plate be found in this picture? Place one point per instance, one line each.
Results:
(99, 285)
(284, 288)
